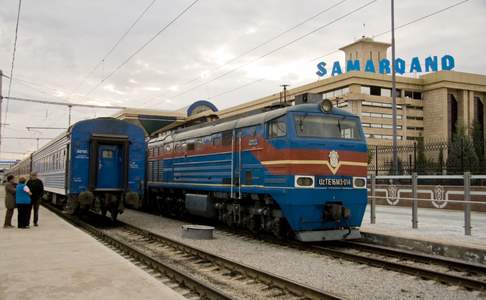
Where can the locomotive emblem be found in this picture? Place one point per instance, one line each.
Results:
(333, 159)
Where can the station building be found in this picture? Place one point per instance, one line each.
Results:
(430, 105)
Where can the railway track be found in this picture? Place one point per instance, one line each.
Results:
(193, 272)
(440, 269)
(444, 270)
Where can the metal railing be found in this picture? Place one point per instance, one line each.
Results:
(429, 157)
(413, 178)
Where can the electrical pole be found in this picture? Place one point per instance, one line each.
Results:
(394, 91)
(1, 103)
(69, 118)
(284, 92)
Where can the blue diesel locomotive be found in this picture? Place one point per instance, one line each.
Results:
(96, 164)
(295, 171)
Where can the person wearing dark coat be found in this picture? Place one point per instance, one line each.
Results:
(37, 189)
(9, 201)
(22, 200)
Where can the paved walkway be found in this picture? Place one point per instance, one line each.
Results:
(436, 225)
(59, 261)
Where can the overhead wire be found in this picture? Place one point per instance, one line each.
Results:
(278, 48)
(337, 50)
(112, 49)
(13, 58)
(273, 38)
(148, 42)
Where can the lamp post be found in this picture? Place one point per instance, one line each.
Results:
(394, 91)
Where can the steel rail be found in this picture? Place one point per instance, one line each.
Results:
(182, 278)
(267, 278)
(451, 279)
(420, 257)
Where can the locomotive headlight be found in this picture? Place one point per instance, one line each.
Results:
(304, 181)
(326, 105)
(359, 182)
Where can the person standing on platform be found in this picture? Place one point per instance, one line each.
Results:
(9, 201)
(22, 199)
(37, 188)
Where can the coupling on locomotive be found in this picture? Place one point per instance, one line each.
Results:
(298, 171)
(97, 165)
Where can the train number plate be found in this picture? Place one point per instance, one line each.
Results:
(334, 181)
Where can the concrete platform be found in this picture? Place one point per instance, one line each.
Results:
(440, 232)
(59, 261)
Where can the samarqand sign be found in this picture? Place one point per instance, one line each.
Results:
(429, 64)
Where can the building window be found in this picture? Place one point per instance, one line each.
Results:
(383, 136)
(415, 118)
(365, 90)
(379, 91)
(414, 128)
(335, 93)
(413, 95)
(379, 104)
(384, 126)
(415, 107)
(385, 92)
(381, 115)
(375, 91)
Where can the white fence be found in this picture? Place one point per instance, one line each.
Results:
(438, 197)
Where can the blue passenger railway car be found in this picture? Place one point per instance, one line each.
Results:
(96, 164)
(296, 171)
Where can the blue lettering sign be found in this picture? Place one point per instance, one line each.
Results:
(336, 69)
(385, 66)
(370, 66)
(415, 65)
(447, 62)
(352, 65)
(321, 69)
(431, 64)
(400, 66)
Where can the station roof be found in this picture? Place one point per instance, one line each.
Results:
(150, 119)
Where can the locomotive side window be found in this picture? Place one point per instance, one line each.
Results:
(327, 127)
(190, 145)
(277, 127)
(216, 139)
(227, 137)
(198, 144)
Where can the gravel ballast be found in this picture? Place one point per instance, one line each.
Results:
(344, 278)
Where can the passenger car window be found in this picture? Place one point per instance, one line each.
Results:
(107, 154)
(277, 127)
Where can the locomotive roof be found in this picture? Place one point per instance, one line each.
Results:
(225, 124)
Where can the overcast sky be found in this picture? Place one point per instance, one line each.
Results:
(60, 42)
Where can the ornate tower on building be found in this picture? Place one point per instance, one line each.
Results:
(364, 49)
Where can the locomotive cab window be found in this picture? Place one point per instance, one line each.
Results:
(277, 128)
(319, 126)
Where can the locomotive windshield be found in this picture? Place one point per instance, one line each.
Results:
(319, 126)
